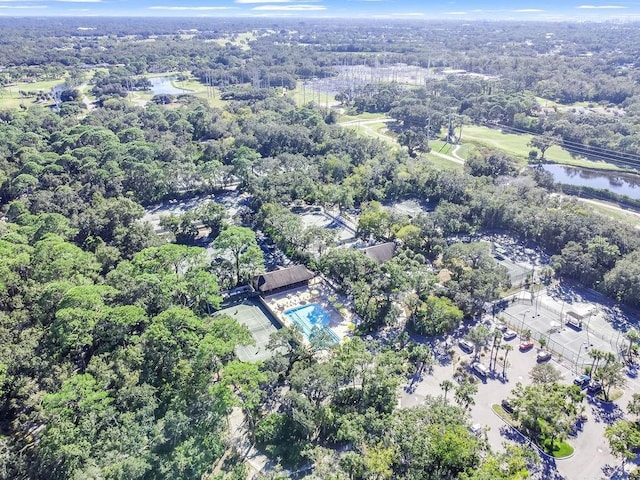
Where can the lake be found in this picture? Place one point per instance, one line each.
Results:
(621, 183)
(163, 86)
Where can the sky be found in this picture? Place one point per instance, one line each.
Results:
(417, 9)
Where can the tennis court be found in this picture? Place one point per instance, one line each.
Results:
(517, 271)
(259, 323)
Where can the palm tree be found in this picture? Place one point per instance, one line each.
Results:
(495, 358)
(596, 355)
(464, 394)
(633, 408)
(633, 336)
(497, 334)
(446, 385)
(612, 376)
(608, 358)
(507, 348)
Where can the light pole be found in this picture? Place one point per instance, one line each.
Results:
(523, 317)
(537, 299)
(589, 323)
(554, 326)
(579, 351)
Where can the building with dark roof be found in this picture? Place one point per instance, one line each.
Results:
(284, 279)
(380, 253)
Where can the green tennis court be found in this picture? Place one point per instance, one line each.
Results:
(259, 323)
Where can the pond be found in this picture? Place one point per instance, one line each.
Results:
(621, 183)
(163, 86)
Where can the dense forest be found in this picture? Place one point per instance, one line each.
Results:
(113, 362)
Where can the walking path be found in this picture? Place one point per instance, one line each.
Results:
(454, 157)
(372, 132)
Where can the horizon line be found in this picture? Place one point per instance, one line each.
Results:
(398, 17)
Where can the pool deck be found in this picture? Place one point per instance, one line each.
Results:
(339, 308)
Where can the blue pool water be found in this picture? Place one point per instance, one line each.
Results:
(310, 317)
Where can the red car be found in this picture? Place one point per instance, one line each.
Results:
(526, 345)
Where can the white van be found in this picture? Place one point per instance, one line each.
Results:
(480, 369)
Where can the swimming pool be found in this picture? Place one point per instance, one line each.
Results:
(310, 317)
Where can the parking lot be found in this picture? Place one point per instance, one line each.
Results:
(572, 321)
(592, 455)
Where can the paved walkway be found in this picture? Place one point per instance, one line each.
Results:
(239, 439)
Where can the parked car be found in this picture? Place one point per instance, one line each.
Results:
(594, 388)
(502, 327)
(509, 335)
(526, 345)
(543, 356)
(506, 406)
(479, 369)
(476, 429)
(466, 346)
(582, 380)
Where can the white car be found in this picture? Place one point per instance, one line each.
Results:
(509, 335)
(466, 346)
(543, 356)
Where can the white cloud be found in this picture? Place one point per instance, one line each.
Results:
(291, 8)
(180, 8)
(529, 10)
(600, 7)
(409, 14)
(262, 1)
(271, 15)
(455, 13)
(24, 7)
(80, 1)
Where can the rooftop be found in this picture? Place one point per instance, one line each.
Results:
(380, 253)
(282, 278)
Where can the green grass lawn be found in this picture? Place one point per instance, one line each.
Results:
(363, 117)
(514, 145)
(377, 131)
(503, 414)
(305, 95)
(198, 89)
(517, 145)
(614, 395)
(190, 86)
(545, 102)
(561, 449)
(441, 147)
(444, 163)
(373, 126)
(10, 97)
(621, 215)
(241, 40)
